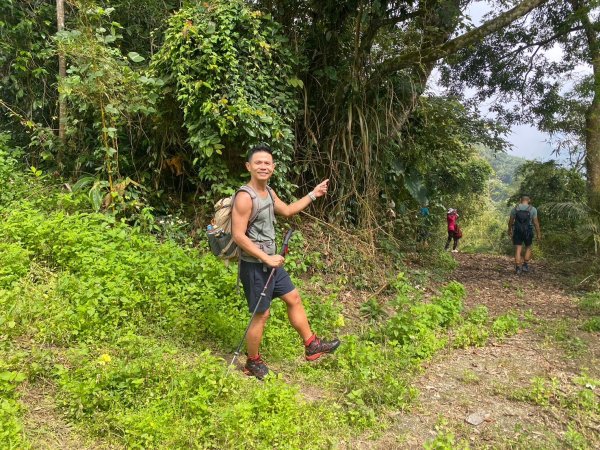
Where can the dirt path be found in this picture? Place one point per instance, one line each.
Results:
(491, 281)
(485, 381)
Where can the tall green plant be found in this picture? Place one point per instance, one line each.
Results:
(232, 73)
(109, 98)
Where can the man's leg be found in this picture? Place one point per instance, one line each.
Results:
(296, 314)
(314, 347)
(527, 253)
(255, 333)
(527, 258)
(518, 249)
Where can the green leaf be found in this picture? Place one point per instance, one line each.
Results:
(295, 82)
(135, 57)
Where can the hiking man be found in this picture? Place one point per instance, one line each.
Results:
(523, 217)
(454, 232)
(257, 244)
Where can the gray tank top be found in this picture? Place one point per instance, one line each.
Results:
(262, 230)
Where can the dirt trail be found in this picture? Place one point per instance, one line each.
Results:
(491, 281)
(458, 383)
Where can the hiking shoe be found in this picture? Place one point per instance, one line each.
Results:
(455, 251)
(525, 268)
(256, 367)
(518, 270)
(317, 348)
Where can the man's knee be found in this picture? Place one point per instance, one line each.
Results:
(293, 298)
(261, 317)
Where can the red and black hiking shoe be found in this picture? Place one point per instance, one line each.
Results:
(256, 367)
(315, 347)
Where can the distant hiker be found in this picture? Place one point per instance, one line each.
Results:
(257, 243)
(523, 217)
(454, 231)
(423, 231)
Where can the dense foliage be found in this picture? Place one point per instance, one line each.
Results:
(163, 101)
(231, 72)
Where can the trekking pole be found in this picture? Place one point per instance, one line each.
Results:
(284, 251)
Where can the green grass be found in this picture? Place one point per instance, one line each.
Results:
(119, 324)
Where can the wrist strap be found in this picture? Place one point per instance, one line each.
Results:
(312, 196)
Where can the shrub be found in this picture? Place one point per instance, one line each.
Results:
(12, 179)
(478, 315)
(14, 263)
(470, 334)
(411, 319)
(590, 303)
(150, 394)
(540, 392)
(506, 325)
(592, 325)
(11, 409)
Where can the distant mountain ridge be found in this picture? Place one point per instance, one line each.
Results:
(505, 166)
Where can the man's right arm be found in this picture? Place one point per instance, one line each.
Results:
(240, 215)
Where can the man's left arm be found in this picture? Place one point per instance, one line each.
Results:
(538, 231)
(282, 209)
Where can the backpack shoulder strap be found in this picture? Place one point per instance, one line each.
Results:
(270, 191)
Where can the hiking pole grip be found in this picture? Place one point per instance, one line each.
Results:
(286, 241)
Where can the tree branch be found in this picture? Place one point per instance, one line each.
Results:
(545, 41)
(432, 54)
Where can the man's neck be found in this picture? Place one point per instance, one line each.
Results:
(258, 185)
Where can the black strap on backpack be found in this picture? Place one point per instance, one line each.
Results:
(522, 224)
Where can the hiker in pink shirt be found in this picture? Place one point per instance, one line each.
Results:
(454, 231)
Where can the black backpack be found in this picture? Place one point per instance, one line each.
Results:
(522, 225)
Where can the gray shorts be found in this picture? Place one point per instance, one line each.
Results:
(254, 277)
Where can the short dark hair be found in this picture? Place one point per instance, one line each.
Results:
(258, 148)
(525, 196)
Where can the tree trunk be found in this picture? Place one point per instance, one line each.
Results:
(62, 73)
(592, 115)
(592, 142)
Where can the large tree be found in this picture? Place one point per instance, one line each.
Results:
(367, 62)
(515, 66)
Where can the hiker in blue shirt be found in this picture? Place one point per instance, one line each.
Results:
(523, 218)
(424, 226)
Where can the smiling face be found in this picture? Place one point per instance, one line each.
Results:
(261, 166)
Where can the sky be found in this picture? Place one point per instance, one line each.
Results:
(526, 140)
